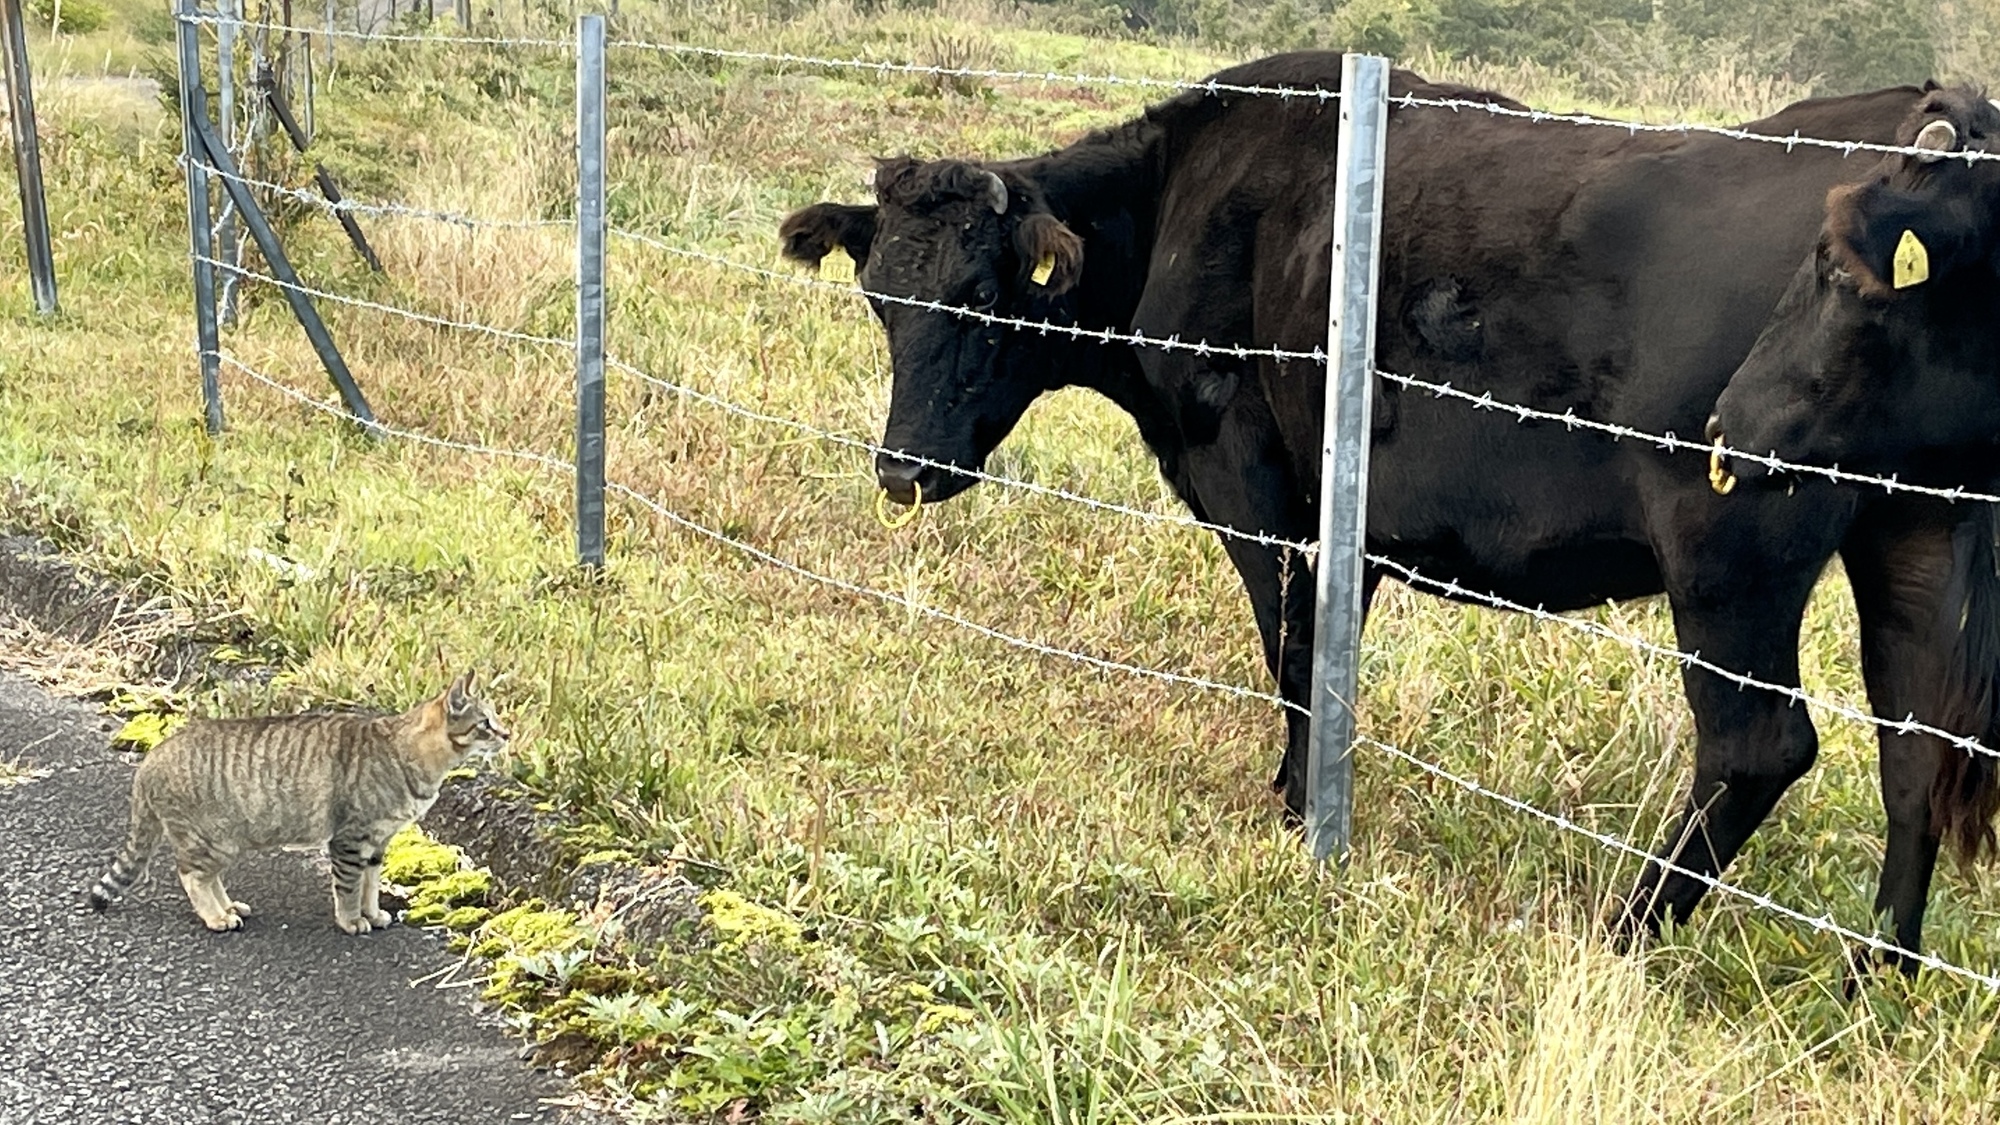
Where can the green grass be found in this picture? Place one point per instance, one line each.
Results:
(1001, 887)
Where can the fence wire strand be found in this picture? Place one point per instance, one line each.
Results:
(392, 310)
(350, 206)
(1569, 419)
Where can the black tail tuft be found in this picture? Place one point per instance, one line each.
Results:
(1966, 792)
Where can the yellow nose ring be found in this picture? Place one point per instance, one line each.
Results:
(902, 521)
(1720, 479)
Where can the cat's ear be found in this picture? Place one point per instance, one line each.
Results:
(459, 696)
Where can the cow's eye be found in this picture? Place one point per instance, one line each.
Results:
(986, 295)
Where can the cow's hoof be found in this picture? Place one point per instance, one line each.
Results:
(1630, 927)
(1865, 963)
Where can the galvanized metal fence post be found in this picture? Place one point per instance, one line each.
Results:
(1343, 494)
(28, 158)
(201, 236)
(590, 291)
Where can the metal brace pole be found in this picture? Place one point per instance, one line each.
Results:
(28, 158)
(590, 291)
(200, 233)
(280, 263)
(1343, 495)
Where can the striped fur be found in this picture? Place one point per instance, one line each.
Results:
(219, 788)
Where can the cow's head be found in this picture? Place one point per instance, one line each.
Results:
(1883, 355)
(960, 236)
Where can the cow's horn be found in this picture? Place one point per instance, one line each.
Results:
(996, 193)
(1937, 138)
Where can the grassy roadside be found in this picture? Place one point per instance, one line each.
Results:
(961, 879)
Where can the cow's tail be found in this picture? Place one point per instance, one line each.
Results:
(1966, 792)
(132, 859)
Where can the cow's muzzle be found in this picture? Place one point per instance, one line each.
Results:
(910, 482)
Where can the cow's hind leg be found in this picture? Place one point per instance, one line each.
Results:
(1900, 563)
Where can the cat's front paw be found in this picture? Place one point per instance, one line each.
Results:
(381, 919)
(225, 922)
(353, 925)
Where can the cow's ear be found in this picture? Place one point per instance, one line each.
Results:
(1895, 239)
(811, 233)
(1051, 253)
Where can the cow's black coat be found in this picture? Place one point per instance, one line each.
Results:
(1622, 277)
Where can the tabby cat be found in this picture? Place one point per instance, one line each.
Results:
(221, 787)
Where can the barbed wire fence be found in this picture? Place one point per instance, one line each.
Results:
(589, 49)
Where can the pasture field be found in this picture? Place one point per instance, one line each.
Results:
(954, 880)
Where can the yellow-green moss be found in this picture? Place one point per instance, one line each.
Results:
(528, 928)
(465, 918)
(147, 729)
(741, 922)
(460, 888)
(414, 859)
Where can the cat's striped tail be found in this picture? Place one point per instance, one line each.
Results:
(131, 862)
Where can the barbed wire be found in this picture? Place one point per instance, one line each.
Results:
(218, 19)
(1790, 142)
(393, 310)
(1823, 923)
(1669, 440)
(1171, 343)
(398, 210)
(879, 66)
(1451, 588)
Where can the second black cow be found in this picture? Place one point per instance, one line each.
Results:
(1566, 268)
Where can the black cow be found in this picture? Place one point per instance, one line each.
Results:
(1884, 353)
(1622, 277)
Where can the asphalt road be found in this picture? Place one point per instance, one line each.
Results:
(141, 1015)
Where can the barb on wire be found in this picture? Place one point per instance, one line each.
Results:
(1823, 923)
(1669, 440)
(350, 206)
(373, 306)
(1789, 140)
(1040, 327)
(1452, 589)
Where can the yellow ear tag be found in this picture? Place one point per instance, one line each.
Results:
(1913, 262)
(837, 267)
(1044, 269)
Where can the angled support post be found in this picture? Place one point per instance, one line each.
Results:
(217, 155)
